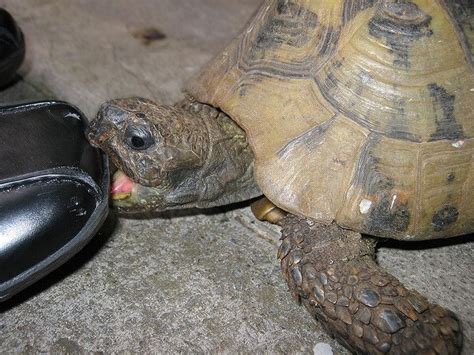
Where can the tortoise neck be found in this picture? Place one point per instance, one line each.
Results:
(226, 175)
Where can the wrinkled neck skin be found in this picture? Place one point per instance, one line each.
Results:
(224, 176)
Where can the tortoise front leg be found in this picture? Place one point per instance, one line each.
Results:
(333, 272)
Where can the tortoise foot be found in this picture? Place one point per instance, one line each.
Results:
(333, 272)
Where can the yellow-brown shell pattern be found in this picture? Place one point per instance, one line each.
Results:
(358, 111)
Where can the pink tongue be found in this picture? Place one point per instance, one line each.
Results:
(121, 183)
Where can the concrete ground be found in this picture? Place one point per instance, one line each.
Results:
(193, 281)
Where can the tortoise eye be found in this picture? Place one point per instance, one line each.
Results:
(138, 138)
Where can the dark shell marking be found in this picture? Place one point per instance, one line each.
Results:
(444, 217)
(446, 125)
(385, 217)
(400, 24)
(353, 7)
(279, 28)
(462, 14)
(282, 28)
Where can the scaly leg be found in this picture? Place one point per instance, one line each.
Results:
(333, 272)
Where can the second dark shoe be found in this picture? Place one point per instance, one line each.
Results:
(12, 48)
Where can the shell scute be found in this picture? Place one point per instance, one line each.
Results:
(389, 185)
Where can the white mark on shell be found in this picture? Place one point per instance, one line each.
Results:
(458, 144)
(322, 349)
(364, 206)
(394, 198)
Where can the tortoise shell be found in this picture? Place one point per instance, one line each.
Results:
(358, 111)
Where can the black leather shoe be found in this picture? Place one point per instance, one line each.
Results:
(12, 48)
(53, 191)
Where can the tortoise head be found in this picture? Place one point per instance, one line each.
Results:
(155, 148)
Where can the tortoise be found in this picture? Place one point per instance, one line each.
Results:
(354, 118)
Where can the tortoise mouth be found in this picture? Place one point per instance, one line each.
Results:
(129, 196)
(122, 186)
